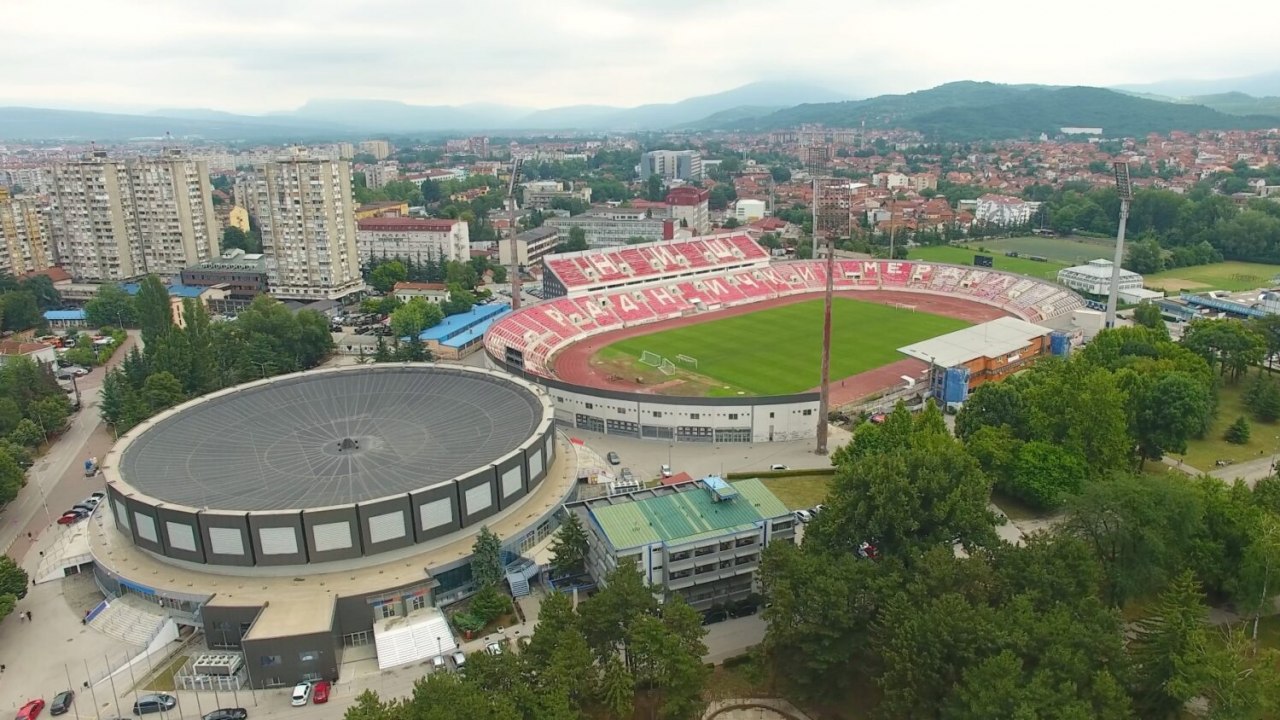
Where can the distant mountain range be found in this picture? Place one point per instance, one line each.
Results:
(987, 111)
(954, 111)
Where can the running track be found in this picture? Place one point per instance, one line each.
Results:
(573, 364)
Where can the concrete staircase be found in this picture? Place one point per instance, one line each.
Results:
(518, 576)
(129, 620)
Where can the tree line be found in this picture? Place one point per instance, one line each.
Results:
(33, 408)
(1102, 615)
(23, 302)
(198, 356)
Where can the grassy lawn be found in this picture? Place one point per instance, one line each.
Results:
(1061, 250)
(1201, 454)
(162, 681)
(963, 255)
(799, 492)
(1218, 276)
(776, 351)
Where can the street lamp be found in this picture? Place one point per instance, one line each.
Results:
(1125, 190)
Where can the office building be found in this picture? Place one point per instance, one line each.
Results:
(671, 165)
(111, 220)
(306, 215)
(540, 194)
(689, 207)
(379, 149)
(23, 245)
(531, 245)
(416, 239)
(243, 275)
(700, 540)
(1094, 278)
(747, 210)
(616, 226)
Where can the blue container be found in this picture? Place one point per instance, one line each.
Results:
(1059, 344)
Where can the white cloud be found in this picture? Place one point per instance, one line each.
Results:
(264, 55)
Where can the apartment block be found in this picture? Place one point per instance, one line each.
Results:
(699, 540)
(111, 220)
(305, 210)
(531, 246)
(379, 149)
(24, 247)
(414, 238)
(541, 194)
(671, 165)
(689, 206)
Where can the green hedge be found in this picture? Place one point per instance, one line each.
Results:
(794, 472)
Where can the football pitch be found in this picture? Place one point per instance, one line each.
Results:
(776, 351)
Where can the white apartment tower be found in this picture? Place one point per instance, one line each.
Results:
(112, 220)
(23, 245)
(307, 216)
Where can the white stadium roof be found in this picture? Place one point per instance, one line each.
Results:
(990, 339)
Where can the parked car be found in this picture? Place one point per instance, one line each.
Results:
(459, 659)
(627, 477)
(227, 714)
(320, 692)
(31, 710)
(301, 693)
(91, 501)
(81, 507)
(804, 516)
(778, 466)
(438, 663)
(817, 509)
(666, 470)
(157, 702)
(71, 517)
(493, 648)
(71, 371)
(98, 496)
(613, 458)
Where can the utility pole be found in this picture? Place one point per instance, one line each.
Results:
(516, 162)
(1125, 189)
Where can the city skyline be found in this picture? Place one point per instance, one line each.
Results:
(251, 57)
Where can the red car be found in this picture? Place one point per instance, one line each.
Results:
(71, 516)
(31, 710)
(320, 692)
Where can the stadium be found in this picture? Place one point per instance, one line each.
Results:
(676, 340)
(294, 516)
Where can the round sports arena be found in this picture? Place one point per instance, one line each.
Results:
(312, 517)
(598, 297)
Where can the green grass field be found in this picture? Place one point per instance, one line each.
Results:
(1230, 275)
(776, 351)
(799, 491)
(963, 255)
(1064, 250)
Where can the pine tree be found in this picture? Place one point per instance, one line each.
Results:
(1266, 402)
(617, 689)
(486, 558)
(1238, 433)
(111, 400)
(1168, 648)
(569, 549)
(383, 353)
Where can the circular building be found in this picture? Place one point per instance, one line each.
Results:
(329, 465)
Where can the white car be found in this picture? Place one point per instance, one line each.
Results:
(804, 516)
(459, 659)
(777, 466)
(666, 471)
(493, 648)
(301, 693)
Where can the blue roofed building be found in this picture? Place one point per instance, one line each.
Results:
(460, 335)
(62, 319)
(213, 298)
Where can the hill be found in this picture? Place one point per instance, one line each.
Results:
(24, 123)
(1261, 85)
(1232, 103)
(987, 111)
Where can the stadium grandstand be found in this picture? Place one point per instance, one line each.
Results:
(611, 289)
(604, 269)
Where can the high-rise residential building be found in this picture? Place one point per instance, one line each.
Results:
(671, 165)
(23, 245)
(112, 220)
(379, 149)
(689, 205)
(306, 213)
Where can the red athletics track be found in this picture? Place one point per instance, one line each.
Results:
(573, 364)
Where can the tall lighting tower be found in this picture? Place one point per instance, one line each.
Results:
(823, 225)
(1125, 189)
(516, 163)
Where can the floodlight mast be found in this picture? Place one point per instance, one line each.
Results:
(1125, 190)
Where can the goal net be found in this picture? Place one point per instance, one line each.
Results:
(901, 306)
(650, 358)
(667, 367)
(688, 360)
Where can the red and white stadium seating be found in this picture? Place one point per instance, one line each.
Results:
(541, 330)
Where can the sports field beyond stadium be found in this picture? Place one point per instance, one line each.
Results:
(1059, 252)
(774, 351)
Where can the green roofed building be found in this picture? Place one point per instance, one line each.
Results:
(701, 540)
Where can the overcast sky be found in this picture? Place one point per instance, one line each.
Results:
(265, 55)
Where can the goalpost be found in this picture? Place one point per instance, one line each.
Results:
(688, 360)
(901, 306)
(667, 367)
(651, 359)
